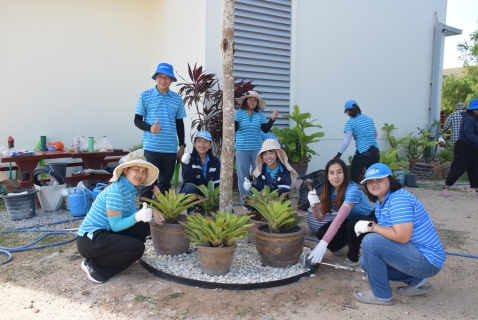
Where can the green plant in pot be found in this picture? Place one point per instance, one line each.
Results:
(279, 242)
(215, 237)
(169, 237)
(210, 195)
(296, 141)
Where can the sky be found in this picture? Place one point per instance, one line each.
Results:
(461, 14)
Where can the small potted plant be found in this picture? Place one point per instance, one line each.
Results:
(215, 238)
(279, 242)
(296, 141)
(210, 197)
(169, 237)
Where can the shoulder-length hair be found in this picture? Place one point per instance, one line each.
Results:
(244, 105)
(394, 186)
(326, 193)
(355, 111)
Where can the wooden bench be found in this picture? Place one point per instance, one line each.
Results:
(6, 167)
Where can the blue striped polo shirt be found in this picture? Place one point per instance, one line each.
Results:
(402, 207)
(363, 131)
(248, 136)
(355, 195)
(153, 105)
(119, 196)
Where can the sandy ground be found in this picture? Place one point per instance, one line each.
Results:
(49, 284)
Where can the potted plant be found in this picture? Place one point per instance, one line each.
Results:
(215, 238)
(169, 237)
(279, 242)
(430, 152)
(296, 141)
(416, 146)
(210, 197)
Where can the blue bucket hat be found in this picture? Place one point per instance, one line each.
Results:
(166, 69)
(377, 171)
(473, 104)
(203, 134)
(350, 104)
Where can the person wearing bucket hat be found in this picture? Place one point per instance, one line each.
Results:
(453, 122)
(344, 196)
(112, 235)
(402, 245)
(159, 114)
(272, 169)
(249, 121)
(466, 151)
(362, 129)
(201, 166)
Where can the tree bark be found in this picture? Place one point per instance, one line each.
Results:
(227, 158)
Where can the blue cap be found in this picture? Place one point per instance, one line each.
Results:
(203, 134)
(377, 171)
(473, 104)
(166, 69)
(350, 104)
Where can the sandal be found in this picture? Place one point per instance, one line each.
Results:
(367, 296)
(411, 291)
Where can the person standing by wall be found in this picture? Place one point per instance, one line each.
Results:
(453, 121)
(466, 151)
(362, 129)
(159, 113)
(249, 120)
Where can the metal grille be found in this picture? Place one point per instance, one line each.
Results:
(262, 37)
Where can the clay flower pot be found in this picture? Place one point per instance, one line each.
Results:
(216, 261)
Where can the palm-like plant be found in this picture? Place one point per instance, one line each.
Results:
(211, 196)
(223, 229)
(170, 204)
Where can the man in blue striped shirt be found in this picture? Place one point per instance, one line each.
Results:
(159, 113)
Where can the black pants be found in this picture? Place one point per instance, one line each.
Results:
(466, 159)
(166, 163)
(363, 160)
(111, 252)
(346, 236)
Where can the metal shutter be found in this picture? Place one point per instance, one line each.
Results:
(262, 37)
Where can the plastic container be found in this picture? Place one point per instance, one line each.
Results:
(50, 197)
(79, 202)
(59, 168)
(22, 206)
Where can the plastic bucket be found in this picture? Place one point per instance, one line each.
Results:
(79, 202)
(59, 168)
(21, 206)
(50, 197)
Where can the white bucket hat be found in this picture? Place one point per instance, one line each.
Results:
(253, 94)
(133, 159)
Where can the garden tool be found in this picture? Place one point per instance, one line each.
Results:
(308, 183)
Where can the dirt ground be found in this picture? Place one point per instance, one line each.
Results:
(49, 284)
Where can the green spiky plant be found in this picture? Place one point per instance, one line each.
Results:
(276, 210)
(267, 195)
(171, 204)
(211, 194)
(223, 229)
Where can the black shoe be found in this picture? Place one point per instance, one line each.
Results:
(91, 273)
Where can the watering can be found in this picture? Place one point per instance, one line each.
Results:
(96, 191)
(79, 202)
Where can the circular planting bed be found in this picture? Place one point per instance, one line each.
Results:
(246, 272)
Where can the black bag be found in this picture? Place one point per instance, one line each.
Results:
(317, 184)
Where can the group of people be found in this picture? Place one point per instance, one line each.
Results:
(393, 239)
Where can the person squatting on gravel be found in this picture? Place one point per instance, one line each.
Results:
(112, 235)
(402, 246)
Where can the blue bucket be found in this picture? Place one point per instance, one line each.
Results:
(79, 202)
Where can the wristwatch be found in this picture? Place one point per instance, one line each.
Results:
(370, 225)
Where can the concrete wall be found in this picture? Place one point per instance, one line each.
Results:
(376, 52)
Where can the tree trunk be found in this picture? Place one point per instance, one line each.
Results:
(227, 157)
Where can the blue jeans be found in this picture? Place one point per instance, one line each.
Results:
(363, 160)
(243, 162)
(385, 260)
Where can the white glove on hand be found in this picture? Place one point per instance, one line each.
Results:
(186, 157)
(317, 254)
(313, 198)
(361, 227)
(145, 214)
(247, 184)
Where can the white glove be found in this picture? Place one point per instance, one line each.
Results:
(145, 214)
(247, 184)
(313, 198)
(186, 156)
(317, 254)
(361, 227)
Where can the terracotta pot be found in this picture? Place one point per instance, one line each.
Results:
(279, 249)
(435, 163)
(216, 261)
(169, 238)
(413, 161)
(254, 229)
(300, 167)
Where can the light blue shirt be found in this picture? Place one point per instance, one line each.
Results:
(363, 131)
(355, 195)
(402, 207)
(153, 105)
(248, 135)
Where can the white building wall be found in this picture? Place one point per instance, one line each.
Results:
(376, 52)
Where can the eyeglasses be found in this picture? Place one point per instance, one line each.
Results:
(374, 181)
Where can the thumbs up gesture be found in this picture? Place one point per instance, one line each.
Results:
(247, 184)
(186, 157)
(145, 214)
(155, 128)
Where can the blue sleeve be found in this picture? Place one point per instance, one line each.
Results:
(118, 223)
(401, 209)
(348, 126)
(140, 107)
(181, 110)
(469, 125)
(263, 117)
(353, 194)
(114, 200)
